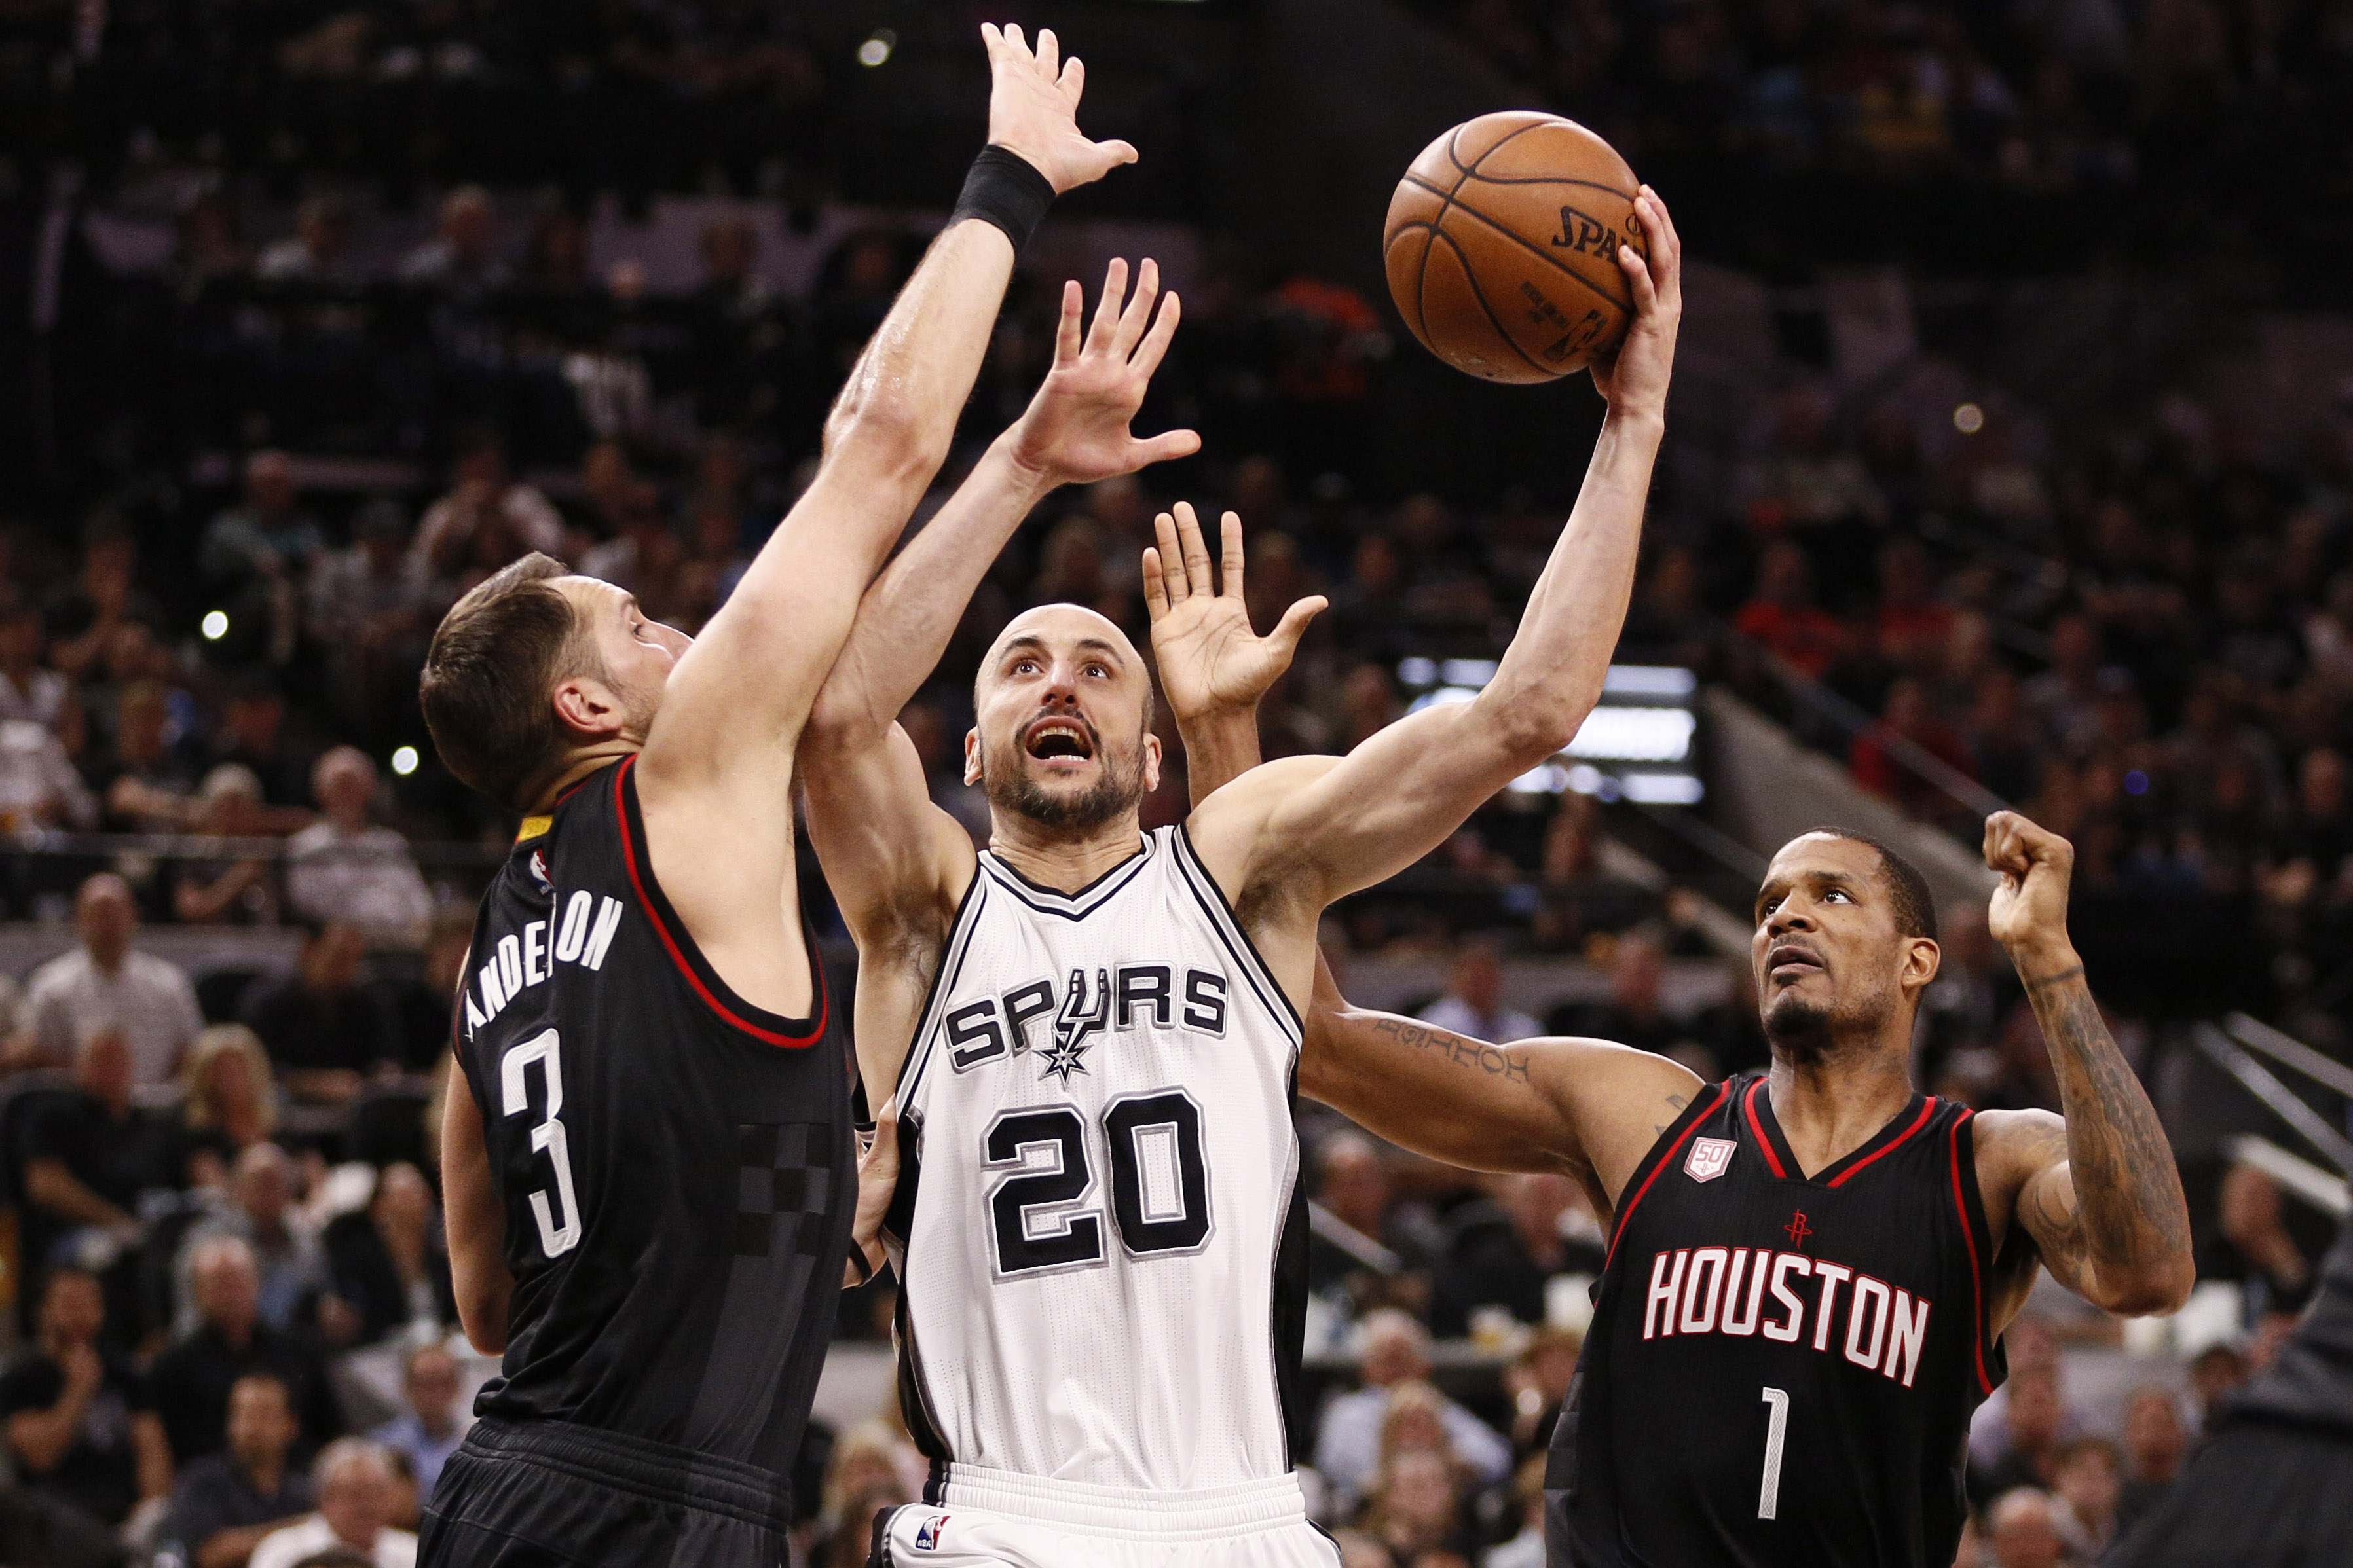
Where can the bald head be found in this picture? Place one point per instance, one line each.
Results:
(1062, 733)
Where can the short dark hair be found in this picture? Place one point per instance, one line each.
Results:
(1915, 907)
(487, 676)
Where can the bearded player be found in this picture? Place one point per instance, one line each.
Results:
(647, 1161)
(1092, 1031)
(1810, 1268)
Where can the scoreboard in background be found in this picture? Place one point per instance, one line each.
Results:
(1640, 742)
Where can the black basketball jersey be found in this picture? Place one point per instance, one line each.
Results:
(676, 1164)
(1780, 1369)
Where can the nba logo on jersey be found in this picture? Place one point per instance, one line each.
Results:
(1709, 1158)
(928, 1534)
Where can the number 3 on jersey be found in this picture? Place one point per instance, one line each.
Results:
(1159, 1184)
(514, 1096)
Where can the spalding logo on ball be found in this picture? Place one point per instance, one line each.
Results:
(1501, 247)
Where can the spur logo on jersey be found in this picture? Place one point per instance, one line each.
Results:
(1132, 996)
(928, 1533)
(527, 958)
(1724, 1290)
(1709, 1158)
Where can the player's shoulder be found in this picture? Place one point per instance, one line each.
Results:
(1233, 817)
(2014, 1146)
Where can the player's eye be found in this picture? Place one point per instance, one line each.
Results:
(1840, 894)
(1098, 669)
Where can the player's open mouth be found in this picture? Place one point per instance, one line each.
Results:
(1059, 740)
(1787, 960)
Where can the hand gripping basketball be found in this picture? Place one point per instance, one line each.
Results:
(1634, 378)
(1033, 108)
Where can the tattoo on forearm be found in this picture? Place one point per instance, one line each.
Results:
(2126, 1215)
(1457, 1048)
(2042, 981)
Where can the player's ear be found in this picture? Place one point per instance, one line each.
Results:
(587, 707)
(972, 756)
(1922, 959)
(1150, 762)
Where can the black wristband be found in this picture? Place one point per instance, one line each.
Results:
(1005, 189)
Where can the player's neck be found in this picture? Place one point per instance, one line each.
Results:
(1832, 1104)
(587, 761)
(1065, 859)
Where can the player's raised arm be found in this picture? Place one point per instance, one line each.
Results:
(2099, 1194)
(718, 756)
(896, 862)
(1314, 829)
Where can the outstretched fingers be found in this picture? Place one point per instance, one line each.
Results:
(1138, 314)
(1067, 340)
(1293, 625)
(1168, 560)
(1154, 346)
(1104, 331)
(1156, 584)
(1229, 555)
(1198, 572)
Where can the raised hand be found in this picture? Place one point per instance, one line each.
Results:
(1634, 379)
(1201, 637)
(2028, 911)
(1075, 430)
(1033, 108)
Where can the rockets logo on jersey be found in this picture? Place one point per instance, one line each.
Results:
(1709, 1158)
(1724, 1290)
(1128, 997)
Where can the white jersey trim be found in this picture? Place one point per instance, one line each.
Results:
(1124, 1513)
(1237, 944)
(1087, 900)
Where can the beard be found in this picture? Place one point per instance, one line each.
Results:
(1798, 1026)
(1014, 791)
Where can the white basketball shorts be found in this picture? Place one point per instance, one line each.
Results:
(996, 1519)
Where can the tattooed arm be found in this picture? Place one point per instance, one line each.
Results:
(1585, 1109)
(2097, 1194)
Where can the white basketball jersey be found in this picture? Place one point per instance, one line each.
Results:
(1101, 1278)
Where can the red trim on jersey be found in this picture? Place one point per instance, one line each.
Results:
(1977, 1272)
(1926, 1111)
(1626, 1214)
(678, 955)
(1748, 1104)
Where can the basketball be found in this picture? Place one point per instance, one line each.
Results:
(1501, 247)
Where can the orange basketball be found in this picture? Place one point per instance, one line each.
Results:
(1501, 247)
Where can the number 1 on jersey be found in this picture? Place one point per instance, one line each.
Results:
(1777, 1430)
(547, 1137)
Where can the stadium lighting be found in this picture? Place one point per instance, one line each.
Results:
(876, 49)
(1968, 419)
(215, 624)
(404, 761)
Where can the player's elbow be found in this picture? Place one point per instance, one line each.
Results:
(1531, 726)
(2158, 1291)
(884, 434)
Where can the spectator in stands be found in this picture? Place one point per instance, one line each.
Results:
(78, 1421)
(228, 890)
(283, 1242)
(1880, 765)
(1416, 1506)
(2085, 1490)
(254, 551)
(427, 1432)
(29, 690)
(2215, 1373)
(2155, 1446)
(344, 869)
(39, 784)
(227, 1501)
(2005, 755)
(251, 733)
(1914, 629)
(1357, 1189)
(2275, 1275)
(325, 1032)
(1781, 615)
(355, 1482)
(145, 782)
(369, 610)
(1474, 1003)
(318, 251)
(229, 1103)
(2031, 1432)
(2023, 1530)
(104, 598)
(1348, 1445)
(1635, 1015)
(865, 1473)
(1505, 1253)
(418, 1004)
(458, 257)
(191, 1380)
(2064, 700)
(389, 1264)
(89, 1155)
(482, 497)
